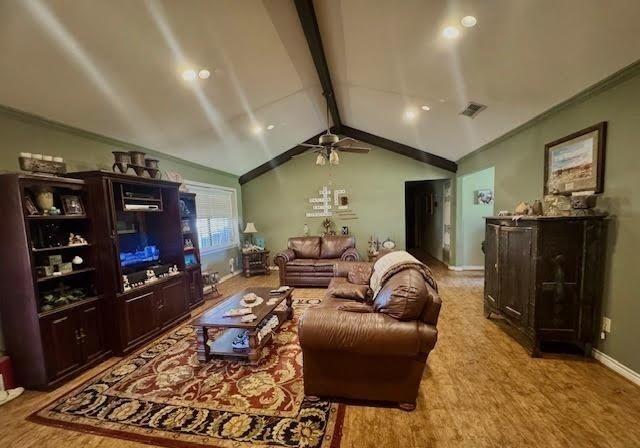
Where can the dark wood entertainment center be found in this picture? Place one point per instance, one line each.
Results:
(58, 324)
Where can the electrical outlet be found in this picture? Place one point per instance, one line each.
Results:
(606, 325)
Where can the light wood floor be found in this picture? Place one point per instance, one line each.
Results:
(481, 389)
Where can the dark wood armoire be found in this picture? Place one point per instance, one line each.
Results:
(544, 275)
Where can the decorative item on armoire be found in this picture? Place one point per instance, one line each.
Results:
(39, 164)
(137, 162)
(576, 162)
(122, 160)
(72, 205)
(152, 167)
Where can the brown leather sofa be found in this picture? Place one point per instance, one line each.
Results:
(371, 351)
(310, 260)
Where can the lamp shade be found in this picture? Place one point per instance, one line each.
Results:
(333, 158)
(320, 160)
(250, 228)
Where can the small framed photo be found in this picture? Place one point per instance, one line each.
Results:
(483, 197)
(30, 207)
(72, 205)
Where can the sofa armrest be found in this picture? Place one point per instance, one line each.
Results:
(329, 329)
(283, 257)
(350, 254)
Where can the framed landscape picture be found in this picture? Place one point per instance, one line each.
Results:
(576, 162)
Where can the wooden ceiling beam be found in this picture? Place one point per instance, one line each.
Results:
(400, 148)
(309, 23)
(278, 160)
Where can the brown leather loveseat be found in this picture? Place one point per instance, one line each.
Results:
(310, 260)
(371, 350)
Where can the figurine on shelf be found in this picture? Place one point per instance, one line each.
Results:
(125, 283)
(76, 240)
(188, 243)
(173, 270)
(151, 276)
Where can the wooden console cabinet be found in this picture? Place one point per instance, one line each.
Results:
(545, 276)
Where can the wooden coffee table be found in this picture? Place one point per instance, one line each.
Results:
(214, 319)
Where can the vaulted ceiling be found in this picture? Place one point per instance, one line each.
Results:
(114, 67)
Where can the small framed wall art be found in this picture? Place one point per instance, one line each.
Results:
(576, 162)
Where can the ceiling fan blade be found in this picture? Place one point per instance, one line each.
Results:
(346, 139)
(309, 145)
(311, 150)
(354, 149)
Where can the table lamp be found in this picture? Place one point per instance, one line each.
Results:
(250, 229)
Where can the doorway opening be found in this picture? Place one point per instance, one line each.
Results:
(475, 201)
(427, 229)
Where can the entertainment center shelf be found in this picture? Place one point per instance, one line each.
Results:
(141, 244)
(56, 249)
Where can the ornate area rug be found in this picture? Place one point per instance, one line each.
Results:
(162, 395)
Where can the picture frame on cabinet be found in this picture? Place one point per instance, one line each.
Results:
(30, 207)
(72, 205)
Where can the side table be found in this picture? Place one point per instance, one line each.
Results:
(255, 263)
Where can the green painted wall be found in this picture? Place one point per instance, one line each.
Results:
(470, 231)
(278, 200)
(519, 176)
(82, 151)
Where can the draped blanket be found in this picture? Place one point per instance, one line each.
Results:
(394, 262)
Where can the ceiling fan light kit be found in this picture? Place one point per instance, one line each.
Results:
(333, 158)
(320, 160)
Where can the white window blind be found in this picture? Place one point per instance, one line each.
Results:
(217, 212)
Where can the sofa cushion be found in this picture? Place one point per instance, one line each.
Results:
(341, 288)
(360, 273)
(311, 265)
(403, 296)
(301, 265)
(305, 246)
(333, 246)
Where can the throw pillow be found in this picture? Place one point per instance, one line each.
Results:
(360, 273)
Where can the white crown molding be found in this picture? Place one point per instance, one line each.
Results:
(616, 366)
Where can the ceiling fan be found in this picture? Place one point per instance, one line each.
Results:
(330, 144)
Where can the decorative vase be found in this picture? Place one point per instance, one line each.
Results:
(153, 168)
(121, 161)
(44, 199)
(137, 160)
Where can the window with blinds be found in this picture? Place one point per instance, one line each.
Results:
(217, 222)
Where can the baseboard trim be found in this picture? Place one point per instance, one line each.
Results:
(616, 366)
(465, 268)
(230, 275)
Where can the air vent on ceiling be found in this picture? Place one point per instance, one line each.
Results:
(473, 109)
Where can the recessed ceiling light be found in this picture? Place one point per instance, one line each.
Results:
(468, 21)
(426, 108)
(451, 32)
(410, 114)
(189, 75)
(270, 127)
(204, 73)
(257, 129)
